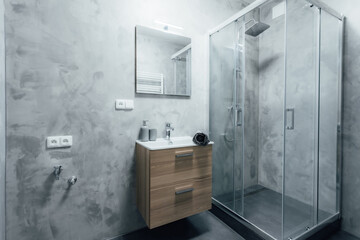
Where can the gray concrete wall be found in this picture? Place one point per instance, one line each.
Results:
(67, 62)
(2, 122)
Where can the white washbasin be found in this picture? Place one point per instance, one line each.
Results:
(175, 142)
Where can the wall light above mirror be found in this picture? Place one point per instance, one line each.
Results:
(163, 62)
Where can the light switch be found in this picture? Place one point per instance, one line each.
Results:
(120, 104)
(129, 104)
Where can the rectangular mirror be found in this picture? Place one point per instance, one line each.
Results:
(163, 62)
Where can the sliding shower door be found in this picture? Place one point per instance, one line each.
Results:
(225, 117)
(312, 118)
(246, 115)
(301, 119)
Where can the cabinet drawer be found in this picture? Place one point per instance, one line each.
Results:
(179, 200)
(172, 166)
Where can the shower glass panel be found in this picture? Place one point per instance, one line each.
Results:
(238, 114)
(275, 116)
(222, 125)
(301, 118)
(263, 117)
(329, 115)
(2, 123)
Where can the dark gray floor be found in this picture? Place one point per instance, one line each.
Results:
(343, 236)
(203, 226)
(263, 207)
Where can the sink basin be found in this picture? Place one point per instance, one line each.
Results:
(161, 143)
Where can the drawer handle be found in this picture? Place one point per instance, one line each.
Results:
(184, 191)
(184, 155)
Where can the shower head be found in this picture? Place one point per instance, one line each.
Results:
(256, 29)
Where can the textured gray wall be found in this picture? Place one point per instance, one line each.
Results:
(351, 124)
(2, 123)
(67, 62)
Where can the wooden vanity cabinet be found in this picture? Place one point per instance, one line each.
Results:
(173, 183)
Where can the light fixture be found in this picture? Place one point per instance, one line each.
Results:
(167, 25)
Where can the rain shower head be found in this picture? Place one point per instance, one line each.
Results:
(256, 29)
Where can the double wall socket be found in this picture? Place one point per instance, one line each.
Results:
(58, 141)
(124, 104)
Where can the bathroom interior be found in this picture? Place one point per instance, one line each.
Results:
(205, 119)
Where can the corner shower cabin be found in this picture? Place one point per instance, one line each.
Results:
(275, 116)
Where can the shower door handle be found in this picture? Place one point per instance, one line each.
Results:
(291, 112)
(238, 115)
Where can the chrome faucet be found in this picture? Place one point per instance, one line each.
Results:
(57, 171)
(168, 130)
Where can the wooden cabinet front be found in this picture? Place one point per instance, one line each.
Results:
(173, 183)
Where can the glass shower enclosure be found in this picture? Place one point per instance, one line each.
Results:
(275, 116)
(2, 123)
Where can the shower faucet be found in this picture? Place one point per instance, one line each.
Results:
(57, 171)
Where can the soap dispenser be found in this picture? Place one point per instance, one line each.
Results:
(144, 132)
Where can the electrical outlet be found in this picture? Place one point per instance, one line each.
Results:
(124, 104)
(120, 104)
(52, 142)
(59, 141)
(65, 141)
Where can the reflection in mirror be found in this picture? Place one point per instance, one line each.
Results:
(163, 62)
